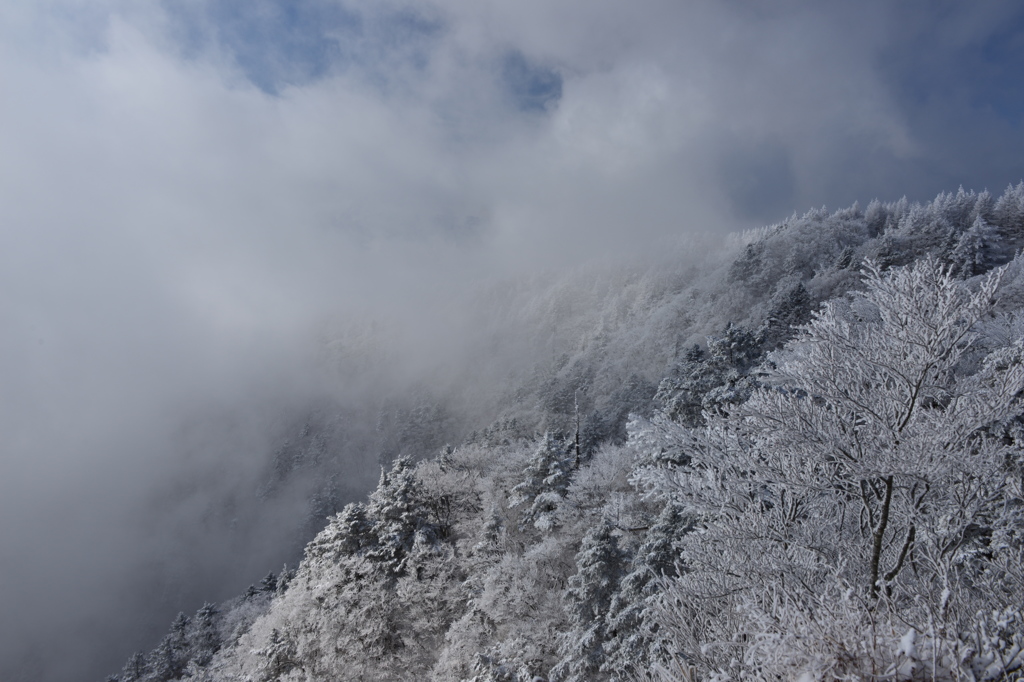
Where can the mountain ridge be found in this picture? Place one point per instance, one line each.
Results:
(544, 544)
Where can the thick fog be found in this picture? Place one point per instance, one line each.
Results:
(199, 197)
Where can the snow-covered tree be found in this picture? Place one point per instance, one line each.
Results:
(790, 308)
(600, 565)
(1009, 215)
(346, 534)
(171, 656)
(399, 516)
(277, 658)
(204, 636)
(632, 631)
(978, 249)
(681, 394)
(871, 460)
(546, 479)
(712, 380)
(135, 669)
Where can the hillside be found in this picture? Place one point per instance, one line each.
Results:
(798, 458)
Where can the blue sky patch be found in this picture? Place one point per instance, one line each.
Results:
(277, 43)
(532, 87)
(978, 77)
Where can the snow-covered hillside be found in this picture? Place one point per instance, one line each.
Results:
(803, 461)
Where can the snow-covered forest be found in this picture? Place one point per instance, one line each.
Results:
(802, 459)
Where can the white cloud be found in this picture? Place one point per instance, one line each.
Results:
(172, 235)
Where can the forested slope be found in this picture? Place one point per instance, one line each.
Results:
(800, 461)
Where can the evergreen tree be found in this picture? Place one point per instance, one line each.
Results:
(681, 395)
(713, 380)
(278, 657)
(736, 349)
(347, 534)
(399, 517)
(171, 656)
(204, 636)
(269, 583)
(546, 481)
(631, 628)
(1009, 215)
(789, 309)
(283, 579)
(876, 217)
(135, 669)
(977, 251)
(959, 210)
(600, 564)
(984, 208)
(163, 663)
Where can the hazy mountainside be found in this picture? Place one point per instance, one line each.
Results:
(679, 484)
(598, 341)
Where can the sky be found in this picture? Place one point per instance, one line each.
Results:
(189, 189)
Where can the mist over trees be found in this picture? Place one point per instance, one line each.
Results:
(803, 462)
(256, 250)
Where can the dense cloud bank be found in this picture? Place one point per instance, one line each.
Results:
(198, 199)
